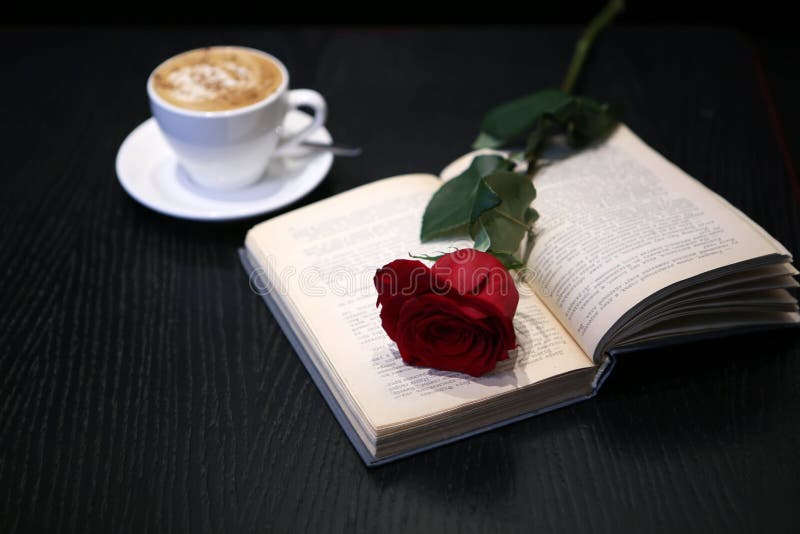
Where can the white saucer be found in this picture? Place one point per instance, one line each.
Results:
(148, 170)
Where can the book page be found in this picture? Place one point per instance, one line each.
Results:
(619, 223)
(324, 257)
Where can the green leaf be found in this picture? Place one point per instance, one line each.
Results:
(488, 164)
(591, 121)
(485, 140)
(509, 261)
(531, 215)
(482, 240)
(507, 223)
(457, 202)
(512, 119)
(504, 235)
(514, 189)
(485, 199)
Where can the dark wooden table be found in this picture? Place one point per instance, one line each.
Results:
(145, 388)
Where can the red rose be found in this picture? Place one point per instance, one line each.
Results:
(454, 316)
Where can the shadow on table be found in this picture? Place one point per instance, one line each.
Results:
(707, 402)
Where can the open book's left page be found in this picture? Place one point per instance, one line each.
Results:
(322, 258)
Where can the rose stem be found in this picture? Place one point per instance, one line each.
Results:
(584, 44)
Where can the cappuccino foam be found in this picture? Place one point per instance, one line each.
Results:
(217, 78)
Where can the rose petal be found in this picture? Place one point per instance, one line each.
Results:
(396, 282)
(402, 278)
(474, 341)
(472, 273)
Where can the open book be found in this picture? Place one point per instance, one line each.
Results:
(630, 252)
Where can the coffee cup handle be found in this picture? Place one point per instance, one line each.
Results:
(306, 98)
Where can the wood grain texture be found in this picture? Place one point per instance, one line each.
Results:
(145, 388)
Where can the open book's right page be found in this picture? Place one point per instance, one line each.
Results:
(618, 223)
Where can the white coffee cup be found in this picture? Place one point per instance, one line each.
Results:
(230, 149)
